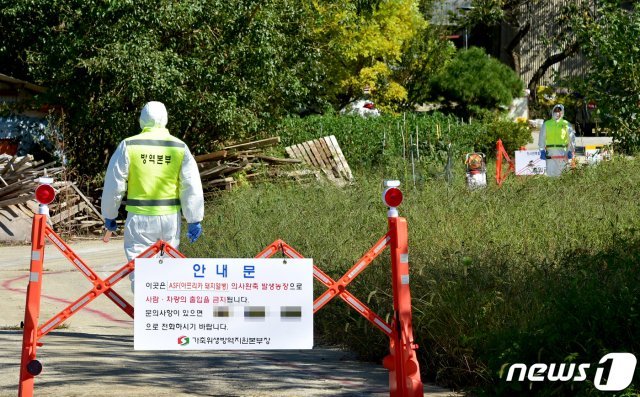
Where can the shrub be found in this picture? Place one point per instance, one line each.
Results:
(474, 78)
(383, 141)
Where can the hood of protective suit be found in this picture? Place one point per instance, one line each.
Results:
(556, 108)
(153, 114)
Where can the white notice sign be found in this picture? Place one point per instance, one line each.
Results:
(528, 163)
(223, 304)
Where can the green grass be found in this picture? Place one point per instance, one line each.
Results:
(549, 271)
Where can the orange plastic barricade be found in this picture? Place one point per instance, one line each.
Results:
(500, 154)
(402, 362)
(30, 367)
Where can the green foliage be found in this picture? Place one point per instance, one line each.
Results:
(613, 79)
(540, 270)
(225, 69)
(381, 141)
(424, 57)
(361, 42)
(474, 79)
(482, 135)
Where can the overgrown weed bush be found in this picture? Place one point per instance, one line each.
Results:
(381, 141)
(539, 270)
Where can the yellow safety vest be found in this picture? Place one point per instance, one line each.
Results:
(557, 133)
(155, 160)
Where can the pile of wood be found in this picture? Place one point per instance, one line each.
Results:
(71, 211)
(320, 158)
(217, 168)
(18, 178)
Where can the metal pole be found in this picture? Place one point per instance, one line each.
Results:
(466, 39)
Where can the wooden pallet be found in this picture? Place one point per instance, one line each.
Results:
(323, 153)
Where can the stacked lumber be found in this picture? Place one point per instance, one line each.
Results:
(18, 178)
(71, 211)
(325, 154)
(217, 168)
(74, 212)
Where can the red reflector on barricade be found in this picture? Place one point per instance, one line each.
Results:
(45, 194)
(392, 197)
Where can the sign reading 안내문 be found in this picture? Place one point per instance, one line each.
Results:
(223, 304)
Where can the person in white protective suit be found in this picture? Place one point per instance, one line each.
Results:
(160, 177)
(557, 142)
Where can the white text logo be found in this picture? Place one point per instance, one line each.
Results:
(621, 369)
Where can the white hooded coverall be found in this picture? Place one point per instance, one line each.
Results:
(557, 159)
(141, 231)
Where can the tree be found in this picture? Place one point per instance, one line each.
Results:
(424, 57)
(224, 68)
(611, 44)
(362, 42)
(473, 79)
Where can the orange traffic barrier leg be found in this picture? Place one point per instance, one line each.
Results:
(402, 362)
(29, 366)
(500, 153)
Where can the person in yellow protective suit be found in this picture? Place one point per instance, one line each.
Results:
(557, 142)
(160, 177)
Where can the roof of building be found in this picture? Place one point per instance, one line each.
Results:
(8, 81)
(442, 10)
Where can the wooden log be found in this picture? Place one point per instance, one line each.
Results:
(33, 206)
(221, 181)
(212, 172)
(86, 200)
(15, 200)
(247, 152)
(278, 160)
(220, 154)
(232, 170)
(19, 208)
(8, 167)
(64, 215)
(15, 167)
(17, 188)
(255, 144)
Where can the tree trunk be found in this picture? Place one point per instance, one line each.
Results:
(552, 60)
(513, 45)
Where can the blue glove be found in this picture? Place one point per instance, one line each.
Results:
(195, 230)
(110, 225)
(543, 154)
(569, 154)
